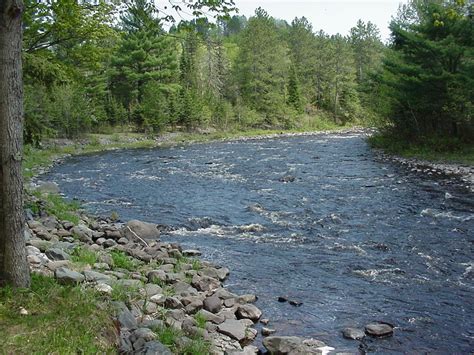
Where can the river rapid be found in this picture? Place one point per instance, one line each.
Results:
(315, 218)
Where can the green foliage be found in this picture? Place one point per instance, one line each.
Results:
(85, 256)
(200, 320)
(123, 261)
(63, 209)
(61, 319)
(170, 336)
(429, 74)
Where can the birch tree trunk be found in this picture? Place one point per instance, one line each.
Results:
(14, 269)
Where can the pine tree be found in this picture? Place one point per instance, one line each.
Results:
(294, 95)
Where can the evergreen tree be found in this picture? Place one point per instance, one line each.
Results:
(294, 95)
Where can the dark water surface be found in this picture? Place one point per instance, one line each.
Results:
(354, 239)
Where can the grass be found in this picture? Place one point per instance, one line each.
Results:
(84, 256)
(170, 336)
(196, 264)
(123, 261)
(432, 149)
(200, 320)
(60, 320)
(58, 206)
(123, 293)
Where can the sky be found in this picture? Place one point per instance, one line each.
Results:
(332, 16)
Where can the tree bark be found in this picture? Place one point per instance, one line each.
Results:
(14, 269)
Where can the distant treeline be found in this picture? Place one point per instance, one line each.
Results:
(84, 71)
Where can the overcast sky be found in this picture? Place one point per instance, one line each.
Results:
(332, 16)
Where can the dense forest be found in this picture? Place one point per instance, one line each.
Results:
(102, 67)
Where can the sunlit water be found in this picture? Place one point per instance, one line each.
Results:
(356, 240)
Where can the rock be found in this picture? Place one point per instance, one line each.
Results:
(295, 303)
(129, 283)
(122, 241)
(42, 245)
(155, 348)
(249, 311)
(379, 329)
(23, 312)
(83, 233)
(212, 304)
(233, 328)
(141, 229)
(94, 276)
(57, 254)
(268, 331)
(113, 234)
(205, 283)
(193, 306)
(282, 299)
(210, 317)
(173, 303)
(109, 243)
(34, 259)
(191, 252)
(223, 294)
(100, 241)
(101, 266)
(142, 333)
(152, 289)
(264, 321)
(54, 265)
(153, 323)
(126, 319)
(158, 299)
(353, 333)
(249, 298)
(279, 345)
(219, 274)
(287, 178)
(229, 302)
(103, 288)
(66, 276)
(156, 276)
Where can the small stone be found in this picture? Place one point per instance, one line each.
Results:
(249, 298)
(23, 312)
(154, 348)
(264, 321)
(379, 329)
(122, 241)
(103, 288)
(173, 303)
(109, 243)
(233, 328)
(295, 303)
(282, 299)
(158, 299)
(353, 333)
(268, 331)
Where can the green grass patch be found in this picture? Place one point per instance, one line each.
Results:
(200, 320)
(123, 293)
(123, 261)
(83, 256)
(60, 320)
(170, 336)
(450, 150)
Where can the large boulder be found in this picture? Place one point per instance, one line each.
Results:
(134, 230)
(249, 311)
(379, 329)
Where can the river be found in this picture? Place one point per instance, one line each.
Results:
(316, 218)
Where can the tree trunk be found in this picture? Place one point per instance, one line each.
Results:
(14, 269)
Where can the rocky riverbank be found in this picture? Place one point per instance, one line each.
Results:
(464, 173)
(160, 285)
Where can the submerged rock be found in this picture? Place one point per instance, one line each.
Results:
(144, 230)
(353, 333)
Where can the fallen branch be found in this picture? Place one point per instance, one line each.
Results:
(136, 235)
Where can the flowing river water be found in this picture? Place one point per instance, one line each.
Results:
(316, 218)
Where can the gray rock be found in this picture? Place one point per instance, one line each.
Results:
(173, 303)
(158, 299)
(249, 311)
(144, 333)
(279, 345)
(54, 265)
(83, 233)
(153, 324)
(57, 254)
(224, 294)
(66, 276)
(353, 333)
(210, 317)
(212, 304)
(103, 288)
(129, 283)
(249, 298)
(152, 289)
(122, 241)
(141, 229)
(126, 319)
(205, 283)
(379, 329)
(233, 328)
(268, 331)
(94, 276)
(109, 243)
(191, 252)
(125, 346)
(156, 276)
(42, 245)
(155, 348)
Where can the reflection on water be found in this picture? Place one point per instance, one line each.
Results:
(314, 218)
